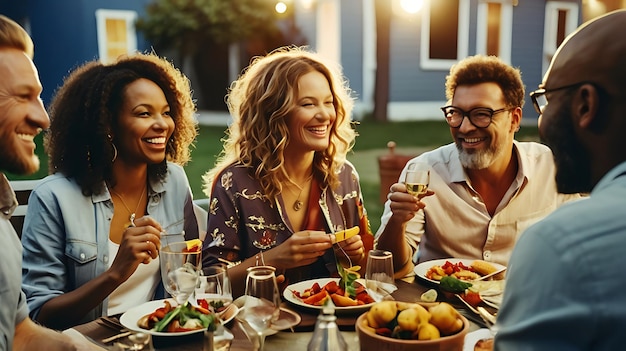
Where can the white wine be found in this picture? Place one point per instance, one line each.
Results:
(416, 189)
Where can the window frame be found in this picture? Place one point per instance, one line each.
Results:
(551, 27)
(129, 16)
(506, 28)
(428, 63)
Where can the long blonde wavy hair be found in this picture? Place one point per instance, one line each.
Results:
(260, 102)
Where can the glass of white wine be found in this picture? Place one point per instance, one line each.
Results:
(417, 178)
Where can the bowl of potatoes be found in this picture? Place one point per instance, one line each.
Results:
(403, 326)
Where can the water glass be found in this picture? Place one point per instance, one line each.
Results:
(214, 288)
(379, 273)
(262, 304)
(180, 270)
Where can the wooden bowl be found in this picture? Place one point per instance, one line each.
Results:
(370, 341)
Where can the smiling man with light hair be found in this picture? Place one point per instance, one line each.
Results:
(22, 117)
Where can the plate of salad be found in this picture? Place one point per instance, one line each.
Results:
(166, 318)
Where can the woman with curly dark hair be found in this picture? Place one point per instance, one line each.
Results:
(282, 181)
(119, 136)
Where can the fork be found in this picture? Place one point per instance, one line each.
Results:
(489, 319)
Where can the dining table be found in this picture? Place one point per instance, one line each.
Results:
(295, 338)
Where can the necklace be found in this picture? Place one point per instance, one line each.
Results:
(132, 213)
(297, 205)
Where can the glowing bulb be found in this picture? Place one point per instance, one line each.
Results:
(281, 7)
(411, 6)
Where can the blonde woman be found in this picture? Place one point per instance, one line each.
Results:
(282, 181)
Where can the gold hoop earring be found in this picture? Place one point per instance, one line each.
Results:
(114, 153)
(114, 148)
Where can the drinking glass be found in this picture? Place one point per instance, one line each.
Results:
(262, 304)
(214, 288)
(416, 178)
(180, 270)
(379, 274)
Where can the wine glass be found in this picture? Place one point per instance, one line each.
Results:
(262, 304)
(379, 274)
(416, 178)
(214, 288)
(180, 269)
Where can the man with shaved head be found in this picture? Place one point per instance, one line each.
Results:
(565, 285)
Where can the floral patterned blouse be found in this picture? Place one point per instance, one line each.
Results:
(242, 221)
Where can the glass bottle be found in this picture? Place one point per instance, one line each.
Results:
(327, 336)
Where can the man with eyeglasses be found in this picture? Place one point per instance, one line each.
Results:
(487, 186)
(565, 285)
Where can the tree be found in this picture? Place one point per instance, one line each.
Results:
(202, 30)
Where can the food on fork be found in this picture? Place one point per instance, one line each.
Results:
(346, 234)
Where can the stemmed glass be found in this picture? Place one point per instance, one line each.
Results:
(417, 178)
(214, 288)
(180, 269)
(262, 304)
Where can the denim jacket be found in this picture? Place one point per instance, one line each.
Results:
(66, 234)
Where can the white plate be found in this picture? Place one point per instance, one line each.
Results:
(129, 318)
(301, 286)
(473, 337)
(422, 268)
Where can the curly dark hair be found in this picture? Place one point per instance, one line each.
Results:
(84, 114)
(260, 102)
(487, 69)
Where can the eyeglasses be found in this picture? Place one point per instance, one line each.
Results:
(480, 117)
(539, 96)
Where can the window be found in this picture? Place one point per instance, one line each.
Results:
(116, 33)
(494, 28)
(561, 20)
(445, 27)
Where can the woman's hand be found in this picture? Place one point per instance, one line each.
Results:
(301, 249)
(353, 247)
(140, 244)
(403, 205)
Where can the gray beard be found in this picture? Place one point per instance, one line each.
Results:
(480, 159)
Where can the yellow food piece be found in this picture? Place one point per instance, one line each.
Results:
(371, 321)
(346, 234)
(193, 243)
(444, 317)
(384, 312)
(483, 267)
(422, 314)
(428, 331)
(409, 319)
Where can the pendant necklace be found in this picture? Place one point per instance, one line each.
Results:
(132, 214)
(297, 205)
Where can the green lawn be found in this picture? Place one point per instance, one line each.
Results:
(411, 138)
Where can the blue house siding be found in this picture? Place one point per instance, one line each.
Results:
(64, 32)
(527, 48)
(352, 32)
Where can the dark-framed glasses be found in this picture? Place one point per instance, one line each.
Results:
(480, 117)
(539, 99)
